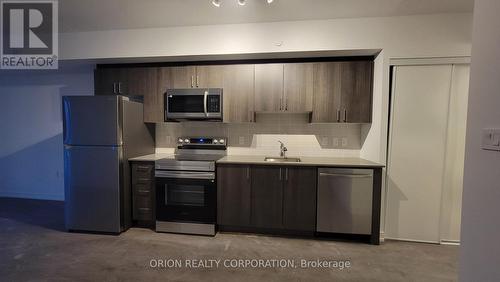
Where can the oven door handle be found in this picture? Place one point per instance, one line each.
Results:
(205, 97)
(184, 174)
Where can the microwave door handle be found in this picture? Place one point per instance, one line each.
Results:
(205, 96)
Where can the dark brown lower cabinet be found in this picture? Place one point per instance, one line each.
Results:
(267, 197)
(143, 192)
(299, 199)
(233, 195)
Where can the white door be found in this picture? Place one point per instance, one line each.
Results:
(420, 105)
(451, 209)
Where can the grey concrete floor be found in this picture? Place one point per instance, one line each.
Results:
(35, 247)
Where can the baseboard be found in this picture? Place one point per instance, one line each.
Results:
(450, 242)
(35, 196)
(411, 240)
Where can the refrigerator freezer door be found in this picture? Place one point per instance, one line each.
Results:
(92, 188)
(92, 120)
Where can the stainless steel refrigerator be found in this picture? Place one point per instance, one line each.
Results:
(100, 134)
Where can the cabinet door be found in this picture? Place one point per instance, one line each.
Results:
(209, 76)
(267, 197)
(298, 87)
(233, 195)
(144, 82)
(356, 98)
(183, 77)
(326, 92)
(300, 198)
(269, 87)
(106, 81)
(238, 99)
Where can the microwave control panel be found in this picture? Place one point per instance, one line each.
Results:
(213, 103)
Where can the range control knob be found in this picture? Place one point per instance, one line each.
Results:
(221, 141)
(186, 140)
(180, 140)
(215, 141)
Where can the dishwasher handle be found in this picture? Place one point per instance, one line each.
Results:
(346, 175)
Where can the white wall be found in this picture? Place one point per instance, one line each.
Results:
(480, 251)
(31, 146)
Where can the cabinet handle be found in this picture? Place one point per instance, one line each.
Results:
(248, 173)
(142, 191)
(345, 115)
(286, 174)
(338, 115)
(114, 87)
(119, 88)
(192, 81)
(197, 81)
(280, 173)
(286, 104)
(281, 103)
(144, 209)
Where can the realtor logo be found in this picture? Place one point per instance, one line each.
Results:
(29, 33)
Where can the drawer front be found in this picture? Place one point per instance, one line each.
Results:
(142, 189)
(143, 207)
(142, 171)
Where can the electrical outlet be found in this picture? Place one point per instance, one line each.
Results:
(241, 140)
(324, 141)
(336, 142)
(344, 141)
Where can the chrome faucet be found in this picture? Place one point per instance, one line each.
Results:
(283, 150)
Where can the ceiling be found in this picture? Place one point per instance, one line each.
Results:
(87, 15)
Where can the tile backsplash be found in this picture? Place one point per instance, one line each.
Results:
(328, 135)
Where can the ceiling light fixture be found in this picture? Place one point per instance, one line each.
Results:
(242, 2)
(216, 3)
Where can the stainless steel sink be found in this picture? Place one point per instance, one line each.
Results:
(281, 160)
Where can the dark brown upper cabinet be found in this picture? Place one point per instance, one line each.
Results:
(132, 82)
(335, 92)
(233, 195)
(110, 81)
(238, 89)
(342, 92)
(269, 88)
(298, 87)
(356, 89)
(144, 82)
(284, 87)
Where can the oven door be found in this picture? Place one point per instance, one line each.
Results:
(186, 196)
(193, 104)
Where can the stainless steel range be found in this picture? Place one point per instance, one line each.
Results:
(186, 188)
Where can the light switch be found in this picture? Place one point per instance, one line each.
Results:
(490, 139)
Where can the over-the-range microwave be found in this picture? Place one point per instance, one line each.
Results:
(193, 104)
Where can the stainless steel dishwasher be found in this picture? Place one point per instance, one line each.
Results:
(344, 200)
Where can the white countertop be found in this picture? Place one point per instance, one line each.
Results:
(259, 160)
(304, 161)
